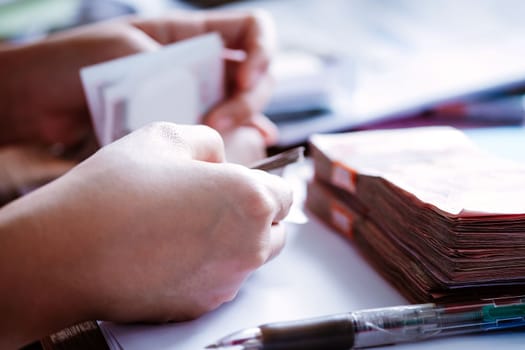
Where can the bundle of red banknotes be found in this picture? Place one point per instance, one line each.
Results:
(438, 217)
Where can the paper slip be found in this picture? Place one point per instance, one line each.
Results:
(178, 83)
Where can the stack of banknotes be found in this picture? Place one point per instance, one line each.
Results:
(438, 217)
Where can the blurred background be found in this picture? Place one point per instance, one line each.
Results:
(347, 64)
(370, 29)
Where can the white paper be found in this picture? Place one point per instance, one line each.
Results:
(178, 83)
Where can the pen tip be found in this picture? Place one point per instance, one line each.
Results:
(212, 346)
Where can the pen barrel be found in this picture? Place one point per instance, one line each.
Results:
(323, 333)
(394, 325)
(504, 109)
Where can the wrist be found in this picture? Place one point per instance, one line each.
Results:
(40, 295)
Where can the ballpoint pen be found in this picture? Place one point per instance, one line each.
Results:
(375, 327)
(504, 109)
(279, 160)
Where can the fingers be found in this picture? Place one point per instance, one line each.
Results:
(265, 196)
(241, 108)
(244, 145)
(266, 128)
(199, 141)
(196, 142)
(265, 201)
(260, 47)
(250, 83)
(252, 32)
(278, 192)
(277, 240)
(280, 196)
(172, 27)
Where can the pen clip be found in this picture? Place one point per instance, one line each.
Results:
(508, 300)
(504, 312)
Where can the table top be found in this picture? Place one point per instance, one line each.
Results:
(318, 273)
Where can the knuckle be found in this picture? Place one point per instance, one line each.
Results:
(216, 299)
(197, 312)
(230, 296)
(257, 251)
(253, 257)
(254, 200)
(287, 195)
(180, 134)
(162, 128)
(210, 134)
(260, 17)
(225, 296)
(165, 131)
(123, 40)
(258, 203)
(243, 108)
(252, 19)
(258, 258)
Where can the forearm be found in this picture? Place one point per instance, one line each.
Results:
(37, 294)
(11, 92)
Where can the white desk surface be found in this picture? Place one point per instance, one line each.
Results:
(317, 273)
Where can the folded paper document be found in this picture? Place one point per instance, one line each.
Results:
(176, 83)
(440, 218)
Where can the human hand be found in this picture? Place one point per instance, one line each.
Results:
(199, 228)
(248, 83)
(47, 103)
(243, 145)
(150, 228)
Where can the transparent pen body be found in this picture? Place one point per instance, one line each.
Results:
(418, 322)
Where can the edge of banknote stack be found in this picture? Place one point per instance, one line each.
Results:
(439, 218)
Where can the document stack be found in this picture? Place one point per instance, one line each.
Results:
(438, 217)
